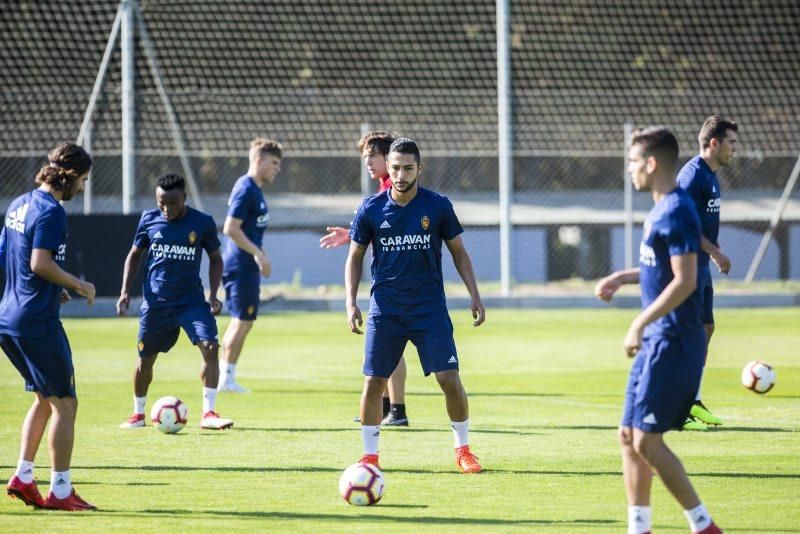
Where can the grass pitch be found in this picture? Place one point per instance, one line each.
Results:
(545, 392)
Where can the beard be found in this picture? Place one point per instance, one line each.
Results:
(408, 187)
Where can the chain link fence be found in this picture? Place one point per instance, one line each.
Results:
(312, 74)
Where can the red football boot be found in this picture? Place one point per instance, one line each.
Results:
(27, 493)
(467, 461)
(371, 459)
(72, 503)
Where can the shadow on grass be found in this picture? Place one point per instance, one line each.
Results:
(412, 471)
(409, 393)
(317, 430)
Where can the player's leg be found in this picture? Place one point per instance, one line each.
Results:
(432, 334)
(396, 391)
(232, 344)
(699, 412)
(242, 298)
(158, 332)
(22, 485)
(638, 479)
(384, 343)
(636, 474)
(670, 470)
(663, 396)
(201, 327)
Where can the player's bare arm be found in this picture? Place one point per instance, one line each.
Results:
(722, 261)
(608, 286)
(463, 265)
(214, 280)
(684, 269)
(42, 264)
(233, 230)
(336, 237)
(352, 277)
(132, 262)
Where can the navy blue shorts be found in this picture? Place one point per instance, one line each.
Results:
(663, 383)
(242, 294)
(159, 327)
(387, 336)
(705, 288)
(44, 362)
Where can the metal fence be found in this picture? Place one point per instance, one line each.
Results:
(183, 86)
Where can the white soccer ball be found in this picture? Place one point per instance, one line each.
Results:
(758, 376)
(169, 415)
(362, 484)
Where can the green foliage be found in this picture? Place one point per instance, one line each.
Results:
(545, 390)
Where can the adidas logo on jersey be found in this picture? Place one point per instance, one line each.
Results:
(452, 359)
(649, 419)
(16, 219)
(158, 235)
(386, 224)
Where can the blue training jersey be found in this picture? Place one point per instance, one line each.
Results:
(174, 252)
(30, 305)
(246, 203)
(406, 250)
(672, 228)
(697, 178)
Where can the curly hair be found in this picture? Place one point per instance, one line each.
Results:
(376, 140)
(66, 163)
(171, 180)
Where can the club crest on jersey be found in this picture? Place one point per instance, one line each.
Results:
(426, 222)
(192, 237)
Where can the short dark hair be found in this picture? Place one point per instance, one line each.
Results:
(715, 127)
(404, 145)
(171, 180)
(266, 146)
(65, 164)
(376, 140)
(660, 143)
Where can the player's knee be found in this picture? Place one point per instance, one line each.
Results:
(646, 444)
(374, 385)
(625, 435)
(64, 406)
(448, 380)
(210, 349)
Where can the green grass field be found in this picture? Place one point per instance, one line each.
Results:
(545, 392)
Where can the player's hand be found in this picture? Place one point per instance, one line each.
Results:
(216, 305)
(86, 289)
(122, 304)
(337, 237)
(354, 319)
(264, 265)
(633, 339)
(478, 312)
(64, 296)
(722, 262)
(605, 288)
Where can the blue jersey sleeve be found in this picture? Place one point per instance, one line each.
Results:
(49, 229)
(361, 229)
(141, 239)
(451, 227)
(3, 247)
(683, 234)
(210, 238)
(239, 203)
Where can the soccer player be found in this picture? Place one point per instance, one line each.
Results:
(406, 226)
(32, 251)
(374, 147)
(245, 260)
(698, 177)
(173, 238)
(666, 337)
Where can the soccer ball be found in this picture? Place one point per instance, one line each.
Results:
(362, 484)
(169, 415)
(758, 376)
